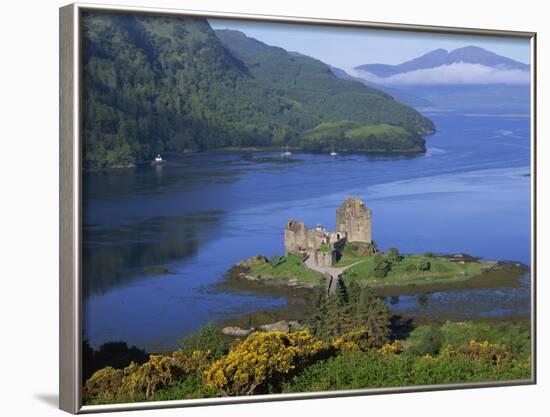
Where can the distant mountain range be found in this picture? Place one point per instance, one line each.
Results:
(439, 57)
(465, 78)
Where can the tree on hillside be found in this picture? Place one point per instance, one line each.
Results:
(347, 309)
(372, 311)
(317, 311)
(338, 319)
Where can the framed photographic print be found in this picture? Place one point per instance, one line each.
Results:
(262, 208)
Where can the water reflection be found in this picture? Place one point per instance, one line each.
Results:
(135, 246)
(422, 300)
(158, 172)
(467, 303)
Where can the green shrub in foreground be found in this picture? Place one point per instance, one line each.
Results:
(426, 340)
(429, 338)
(515, 336)
(186, 388)
(208, 338)
(354, 370)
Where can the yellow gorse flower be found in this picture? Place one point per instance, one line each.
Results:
(258, 358)
(391, 348)
(355, 340)
(144, 380)
(485, 352)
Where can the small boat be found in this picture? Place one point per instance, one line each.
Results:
(158, 160)
(333, 153)
(285, 151)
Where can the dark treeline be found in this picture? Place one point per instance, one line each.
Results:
(115, 354)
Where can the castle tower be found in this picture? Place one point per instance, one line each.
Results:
(354, 220)
(296, 237)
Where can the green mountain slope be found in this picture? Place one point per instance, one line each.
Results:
(171, 84)
(312, 85)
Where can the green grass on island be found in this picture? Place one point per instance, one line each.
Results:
(282, 268)
(348, 135)
(410, 269)
(397, 271)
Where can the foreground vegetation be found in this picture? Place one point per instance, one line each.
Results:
(276, 362)
(377, 369)
(349, 343)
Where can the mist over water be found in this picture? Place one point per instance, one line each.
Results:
(200, 214)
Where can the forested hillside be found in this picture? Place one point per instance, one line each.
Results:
(171, 84)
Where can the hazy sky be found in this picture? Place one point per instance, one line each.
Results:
(349, 47)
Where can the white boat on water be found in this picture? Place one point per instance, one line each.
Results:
(158, 160)
(285, 151)
(333, 153)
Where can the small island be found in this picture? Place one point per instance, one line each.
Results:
(316, 256)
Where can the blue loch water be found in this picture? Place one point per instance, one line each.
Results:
(199, 214)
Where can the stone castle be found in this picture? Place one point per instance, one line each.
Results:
(323, 247)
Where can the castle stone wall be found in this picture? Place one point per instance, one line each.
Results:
(353, 224)
(299, 238)
(296, 237)
(325, 259)
(354, 220)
